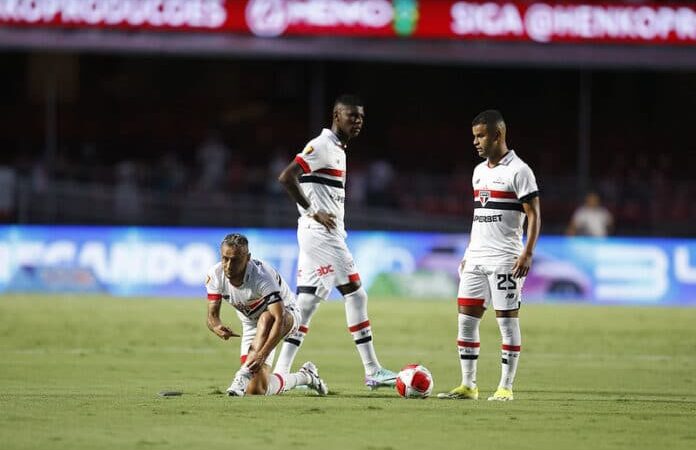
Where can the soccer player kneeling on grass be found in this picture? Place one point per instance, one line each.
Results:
(266, 307)
(495, 262)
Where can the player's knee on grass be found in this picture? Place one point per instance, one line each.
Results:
(259, 382)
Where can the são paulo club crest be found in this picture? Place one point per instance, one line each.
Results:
(484, 196)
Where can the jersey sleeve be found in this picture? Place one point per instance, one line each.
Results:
(268, 284)
(313, 157)
(212, 286)
(525, 184)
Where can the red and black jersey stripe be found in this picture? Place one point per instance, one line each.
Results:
(505, 206)
(321, 180)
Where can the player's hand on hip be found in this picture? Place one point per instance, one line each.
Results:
(522, 265)
(326, 219)
(223, 332)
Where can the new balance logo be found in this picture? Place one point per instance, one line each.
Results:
(510, 296)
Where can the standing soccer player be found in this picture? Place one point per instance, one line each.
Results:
(267, 310)
(495, 262)
(324, 259)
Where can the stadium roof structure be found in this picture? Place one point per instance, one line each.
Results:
(474, 53)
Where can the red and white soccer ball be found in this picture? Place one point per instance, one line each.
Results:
(414, 381)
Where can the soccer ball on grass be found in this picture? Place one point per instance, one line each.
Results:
(414, 381)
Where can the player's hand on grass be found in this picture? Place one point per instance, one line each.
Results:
(224, 332)
(522, 265)
(326, 219)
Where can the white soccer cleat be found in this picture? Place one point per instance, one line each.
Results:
(238, 386)
(382, 378)
(316, 382)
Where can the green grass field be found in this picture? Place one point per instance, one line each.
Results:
(84, 373)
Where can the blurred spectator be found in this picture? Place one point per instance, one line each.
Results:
(277, 163)
(127, 194)
(8, 180)
(591, 219)
(357, 184)
(379, 183)
(170, 174)
(212, 157)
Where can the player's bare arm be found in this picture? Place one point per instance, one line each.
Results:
(289, 179)
(215, 324)
(271, 329)
(524, 262)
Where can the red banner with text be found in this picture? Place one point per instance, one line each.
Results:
(532, 21)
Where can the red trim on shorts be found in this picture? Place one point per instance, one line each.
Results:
(332, 172)
(303, 329)
(470, 301)
(497, 194)
(303, 164)
(512, 348)
(468, 344)
(354, 277)
(282, 383)
(359, 326)
(242, 359)
(214, 297)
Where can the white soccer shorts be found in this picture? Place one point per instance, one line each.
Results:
(324, 261)
(249, 332)
(483, 285)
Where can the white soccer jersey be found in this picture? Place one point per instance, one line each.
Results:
(262, 286)
(323, 161)
(496, 231)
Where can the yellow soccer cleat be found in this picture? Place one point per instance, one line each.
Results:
(462, 392)
(502, 395)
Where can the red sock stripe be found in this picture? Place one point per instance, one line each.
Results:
(354, 277)
(470, 301)
(359, 326)
(242, 359)
(282, 383)
(468, 344)
(512, 348)
(303, 329)
(214, 297)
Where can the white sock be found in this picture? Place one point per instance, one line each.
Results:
(279, 383)
(307, 304)
(512, 344)
(468, 346)
(359, 327)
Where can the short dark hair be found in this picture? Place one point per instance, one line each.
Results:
(235, 240)
(490, 118)
(348, 100)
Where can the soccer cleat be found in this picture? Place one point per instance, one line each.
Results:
(316, 382)
(383, 377)
(501, 395)
(462, 392)
(238, 386)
